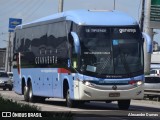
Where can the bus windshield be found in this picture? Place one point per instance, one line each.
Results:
(111, 51)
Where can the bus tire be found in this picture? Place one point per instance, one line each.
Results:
(124, 104)
(70, 103)
(26, 94)
(4, 88)
(31, 96)
(10, 88)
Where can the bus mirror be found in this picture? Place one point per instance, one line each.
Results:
(148, 41)
(76, 42)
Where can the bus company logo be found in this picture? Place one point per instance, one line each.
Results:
(114, 87)
(127, 30)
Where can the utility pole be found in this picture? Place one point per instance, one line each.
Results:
(60, 7)
(9, 52)
(6, 56)
(114, 4)
(142, 15)
(149, 31)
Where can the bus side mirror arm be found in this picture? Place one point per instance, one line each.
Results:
(148, 41)
(76, 42)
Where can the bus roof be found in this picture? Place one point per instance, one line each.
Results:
(89, 17)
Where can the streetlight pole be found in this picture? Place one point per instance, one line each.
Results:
(7, 56)
(9, 52)
(114, 4)
(149, 31)
(60, 8)
(142, 15)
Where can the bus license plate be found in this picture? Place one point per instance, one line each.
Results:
(114, 94)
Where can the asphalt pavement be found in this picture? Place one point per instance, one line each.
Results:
(139, 109)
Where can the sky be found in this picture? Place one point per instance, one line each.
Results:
(30, 10)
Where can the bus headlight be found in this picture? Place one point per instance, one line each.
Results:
(87, 83)
(139, 83)
(135, 82)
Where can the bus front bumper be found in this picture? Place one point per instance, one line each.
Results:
(86, 92)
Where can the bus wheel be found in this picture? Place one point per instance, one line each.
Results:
(31, 97)
(26, 94)
(4, 88)
(124, 104)
(70, 103)
(10, 88)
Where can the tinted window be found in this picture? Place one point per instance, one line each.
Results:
(19, 41)
(39, 41)
(152, 79)
(42, 45)
(96, 50)
(111, 51)
(28, 39)
(57, 39)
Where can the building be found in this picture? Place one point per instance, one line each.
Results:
(155, 60)
(2, 58)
